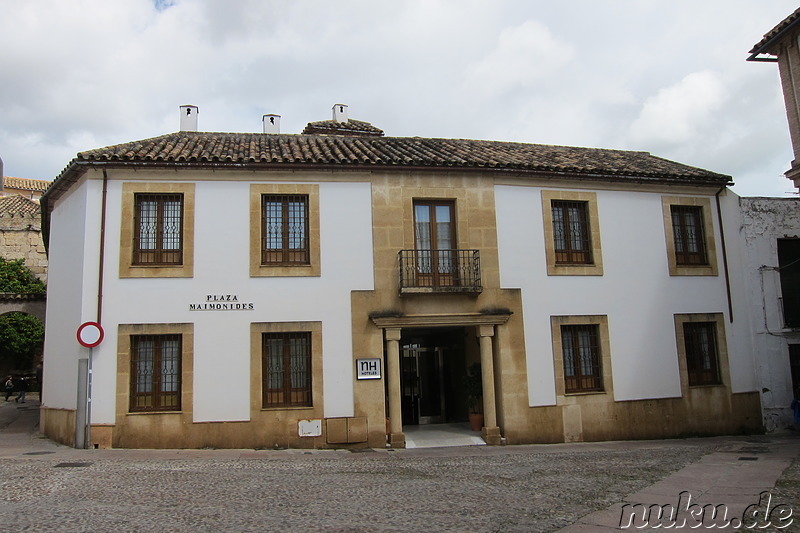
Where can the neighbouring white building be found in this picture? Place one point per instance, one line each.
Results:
(771, 232)
(333, 288)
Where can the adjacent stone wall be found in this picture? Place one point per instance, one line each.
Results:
(21, 238)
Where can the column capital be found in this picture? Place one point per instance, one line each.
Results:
(392, 334)
(484, 331)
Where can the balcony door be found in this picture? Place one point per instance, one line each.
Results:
(435, 236)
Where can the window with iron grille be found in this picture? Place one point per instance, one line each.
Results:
(158, 229)
(155, 373)
(580, 349)
(286, 369)
(571, 233)
(687, 229)
(789, 271)
(702, 356)
(284, 229)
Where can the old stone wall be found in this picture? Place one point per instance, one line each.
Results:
(21, 238)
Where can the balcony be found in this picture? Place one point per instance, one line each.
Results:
(440, 271)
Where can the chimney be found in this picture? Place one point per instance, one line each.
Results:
(272, 123)
(340, 113)
(189, 117)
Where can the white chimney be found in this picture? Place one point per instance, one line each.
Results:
(272, 123)
(340, 113)
(189, 117)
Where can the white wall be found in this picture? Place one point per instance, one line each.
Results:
(221, 265)
(636, 291)
(764, 221)
(71, 291)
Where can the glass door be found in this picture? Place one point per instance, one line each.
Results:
(435, 235)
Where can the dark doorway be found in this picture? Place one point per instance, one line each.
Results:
(433, 366)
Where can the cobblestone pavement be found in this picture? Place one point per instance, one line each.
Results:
(47, 487)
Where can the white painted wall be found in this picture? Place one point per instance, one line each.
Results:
(222, 339)
(764, 221)
(635, 292)
(71, 292)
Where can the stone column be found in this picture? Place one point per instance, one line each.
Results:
(490, 431)
(396, 437)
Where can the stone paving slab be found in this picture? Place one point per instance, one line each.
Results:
(535, 488)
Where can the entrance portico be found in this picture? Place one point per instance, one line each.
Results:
(484, 326)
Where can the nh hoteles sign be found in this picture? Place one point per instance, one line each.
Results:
(222, 302)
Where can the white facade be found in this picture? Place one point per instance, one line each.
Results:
(764, 221)
(222, 338)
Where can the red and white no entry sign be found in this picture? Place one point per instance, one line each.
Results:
(90, 334)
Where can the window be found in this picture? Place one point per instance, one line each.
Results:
(581, 354)
(286, 369)
(702, 350)
(687, 230)
(155, 373)
(284, 229)
(571, 235)
(159, 234)
(789, 268)
(435, 242)
(701, 353)
(157, 230)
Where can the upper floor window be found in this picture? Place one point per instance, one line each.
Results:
(789, 268)
(702, 356)
(689, 232)
(581, 353)
(571, 234)
(155, 373)
(158, 227)
(689, 235)
(284, 229)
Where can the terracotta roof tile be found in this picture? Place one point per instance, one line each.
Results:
(762, 47)
(334, 127)
(18, 206)
(25, 184)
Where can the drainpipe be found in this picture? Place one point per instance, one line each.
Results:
(102, 248)
(724, 256)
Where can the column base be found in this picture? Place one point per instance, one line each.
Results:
(397, 440)
(491, 435)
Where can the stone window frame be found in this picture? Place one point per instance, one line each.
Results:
(722, 348)
(124, 334)
(257, 268)
(256, 364)
(127, 267)
(604, 345)
(595, 268)
(708, 236)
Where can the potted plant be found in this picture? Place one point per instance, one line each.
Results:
(474, 388)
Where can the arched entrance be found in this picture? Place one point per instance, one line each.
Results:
(31, 304)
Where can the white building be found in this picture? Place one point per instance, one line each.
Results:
(328, 288)
(771, 232)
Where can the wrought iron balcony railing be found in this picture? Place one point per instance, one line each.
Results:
(445, 271)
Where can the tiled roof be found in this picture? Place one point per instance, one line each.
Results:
(264, 151)
(334, 127)
(18, 206)
(762, 47)
(25, 184)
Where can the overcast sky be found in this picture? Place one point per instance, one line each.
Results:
(664, 76)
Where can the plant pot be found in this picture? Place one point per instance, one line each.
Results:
(476, 421)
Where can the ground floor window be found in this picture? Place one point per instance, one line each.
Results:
(155, 373)
(286, 369)
(702, 358)
(581, 354)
